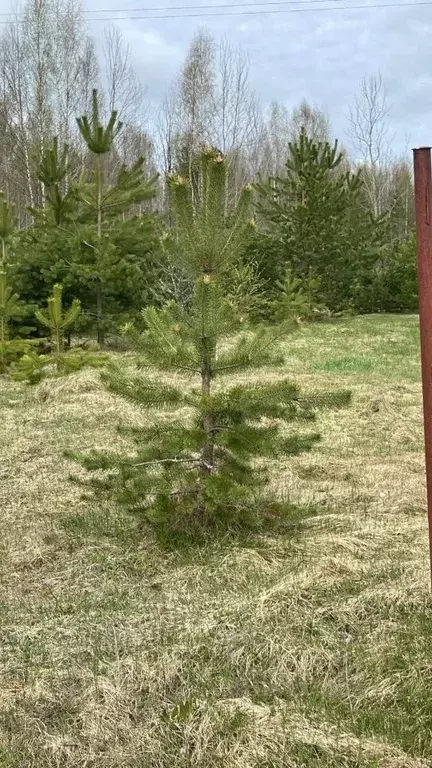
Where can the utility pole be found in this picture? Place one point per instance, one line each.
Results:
(423, 207)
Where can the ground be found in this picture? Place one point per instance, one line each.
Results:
(267, 652)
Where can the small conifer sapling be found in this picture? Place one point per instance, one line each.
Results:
(208, 463)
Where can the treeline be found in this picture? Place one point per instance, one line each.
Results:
(330, 234)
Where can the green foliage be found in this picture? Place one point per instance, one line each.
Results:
(393, 284)
(295, 299)
(312, 217)
(7, 219)
(53, 172)
(196, 470)
(7, 228)
(32, 367)
(130, 267)
(103, 203)
(87, 238)
(12, 350)
(245, 291)
(98, 138)
(56, 319)
(10, 308)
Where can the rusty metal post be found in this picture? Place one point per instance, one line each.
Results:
(423, 205)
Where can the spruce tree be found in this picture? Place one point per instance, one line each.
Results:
(199, 468)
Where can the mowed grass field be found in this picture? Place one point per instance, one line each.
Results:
(269, 651)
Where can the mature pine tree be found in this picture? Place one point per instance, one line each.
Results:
(198, 469)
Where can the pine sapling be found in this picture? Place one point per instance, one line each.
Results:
(8, 308)
(99, 140)
(210, 464)
(58, 320)
(32, 367)
(296, 298)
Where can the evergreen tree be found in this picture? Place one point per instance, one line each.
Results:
(197, 469)
(318, 226)
(11, 309)
(296, 298)
(114, 274)
(7, 228)
(57, 320)
(32, 367)
(8, 308)
(53, 173)
(105, 202)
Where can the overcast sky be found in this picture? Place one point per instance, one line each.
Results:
(318, 55)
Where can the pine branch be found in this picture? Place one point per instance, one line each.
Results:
(168, 461)
(144, 393)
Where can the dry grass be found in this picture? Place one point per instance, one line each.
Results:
(265, 653)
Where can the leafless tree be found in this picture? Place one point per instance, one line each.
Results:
(210, 103)
(124, 91)
(196, 89)
(370, 136)
(235, 124)
(74, 67)
(47, 69)
(276, 135)
(312, 119)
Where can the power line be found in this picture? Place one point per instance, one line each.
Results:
(176, 7)
(264, 13)
(204, 14)
(261, 12)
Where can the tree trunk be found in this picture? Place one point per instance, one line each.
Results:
(208, 422)
(99, 295)
(99, 312)
(2, 345)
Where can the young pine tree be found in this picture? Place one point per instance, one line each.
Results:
(11, 309)
(8, 309)
(58, 320)
(295, 299)
(198, 469)
(105, 205)
(314, 217)
(33, 367)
